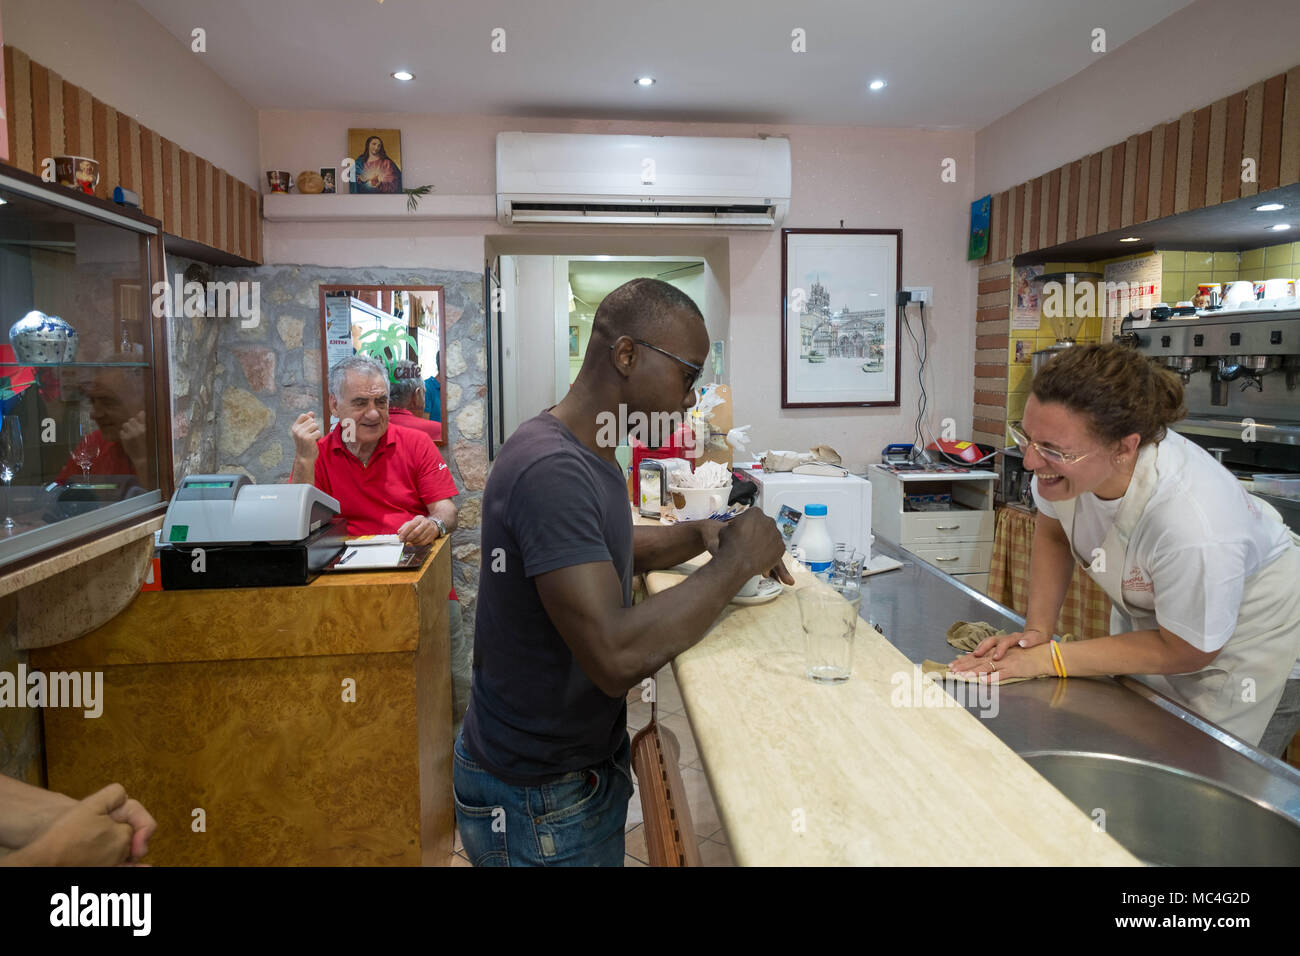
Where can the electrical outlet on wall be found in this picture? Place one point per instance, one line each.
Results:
(923, 293)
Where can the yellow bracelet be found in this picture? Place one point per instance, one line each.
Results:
(1051, 647)
(1058, 659)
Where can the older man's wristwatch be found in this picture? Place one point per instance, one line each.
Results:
(442, 528)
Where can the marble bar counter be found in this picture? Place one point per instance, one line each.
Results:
(273, 726)
(875, 771)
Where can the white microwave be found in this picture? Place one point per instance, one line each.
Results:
(847, 501)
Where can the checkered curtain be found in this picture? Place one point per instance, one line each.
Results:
(1086, 610)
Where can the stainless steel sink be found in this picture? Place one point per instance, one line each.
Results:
(1167, 817)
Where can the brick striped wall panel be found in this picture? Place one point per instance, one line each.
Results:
(46, 116)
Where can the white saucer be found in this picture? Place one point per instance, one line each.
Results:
(768, 589)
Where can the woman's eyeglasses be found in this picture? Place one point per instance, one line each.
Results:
(697, 370)
(1052, 455)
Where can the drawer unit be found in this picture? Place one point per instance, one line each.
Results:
(957, 539)
(974, 558)
(921, 526)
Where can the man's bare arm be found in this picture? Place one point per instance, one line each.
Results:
(616, 646)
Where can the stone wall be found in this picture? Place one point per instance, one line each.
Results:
(257, 380)
(192, 360)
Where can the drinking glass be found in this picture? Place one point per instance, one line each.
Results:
(829, 617)
(11, 459)
(847, 562)
(83, 450)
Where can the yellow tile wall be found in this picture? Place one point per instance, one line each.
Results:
(1182, 272)
(1278, 261)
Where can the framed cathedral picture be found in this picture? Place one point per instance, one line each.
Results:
(839, 319)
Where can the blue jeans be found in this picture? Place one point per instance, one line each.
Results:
(576, 820)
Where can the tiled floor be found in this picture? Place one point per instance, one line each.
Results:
(672, 715)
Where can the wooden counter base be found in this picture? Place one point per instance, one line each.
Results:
(309, 725)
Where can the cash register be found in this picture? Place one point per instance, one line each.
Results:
(224, 531)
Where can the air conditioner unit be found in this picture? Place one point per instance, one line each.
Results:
(729, 183)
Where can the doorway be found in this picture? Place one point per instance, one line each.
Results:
(541, 308)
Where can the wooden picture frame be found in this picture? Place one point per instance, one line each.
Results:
(378, 170)
(840, 343)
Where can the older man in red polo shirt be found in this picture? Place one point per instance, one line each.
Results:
(387, 480)
(406, 400)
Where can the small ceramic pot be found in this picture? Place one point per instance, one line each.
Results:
(41, 338)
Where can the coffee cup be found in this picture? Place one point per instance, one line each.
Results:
(750, 587)
(1237, 293)
(1277, 288)
(694, 504)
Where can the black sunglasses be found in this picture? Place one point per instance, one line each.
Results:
(697, 369)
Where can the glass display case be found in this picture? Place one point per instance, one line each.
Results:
(85, 434)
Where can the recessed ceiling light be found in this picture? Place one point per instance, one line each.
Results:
(1131, 239)
(1269, 207)
(645, 81)
(403, 75)
(1282, 227)
(877, 85)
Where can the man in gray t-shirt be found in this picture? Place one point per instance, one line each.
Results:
(542, 772)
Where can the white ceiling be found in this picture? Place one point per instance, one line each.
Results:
(949, 63)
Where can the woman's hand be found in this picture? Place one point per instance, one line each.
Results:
(1015, 661)
(998, 644)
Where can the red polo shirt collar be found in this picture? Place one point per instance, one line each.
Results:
(334, 444)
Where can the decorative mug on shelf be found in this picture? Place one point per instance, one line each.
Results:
(279, 180)
(77, 172)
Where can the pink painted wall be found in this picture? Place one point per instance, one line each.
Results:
(123, 56)
(870, 178)
(1203, 53)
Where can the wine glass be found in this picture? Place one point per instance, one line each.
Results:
(11, 458)
(81, 444)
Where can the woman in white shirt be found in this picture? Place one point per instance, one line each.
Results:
(1204, 579)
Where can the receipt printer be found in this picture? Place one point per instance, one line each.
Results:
(224, 531)
(230, 509)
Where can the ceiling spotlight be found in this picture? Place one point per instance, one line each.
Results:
(1269, 207)
(1282, 227)
(403, 75)
(876, 85)
(645, 81)
(1131, 239)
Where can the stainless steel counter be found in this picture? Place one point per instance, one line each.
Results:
(914, 606)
